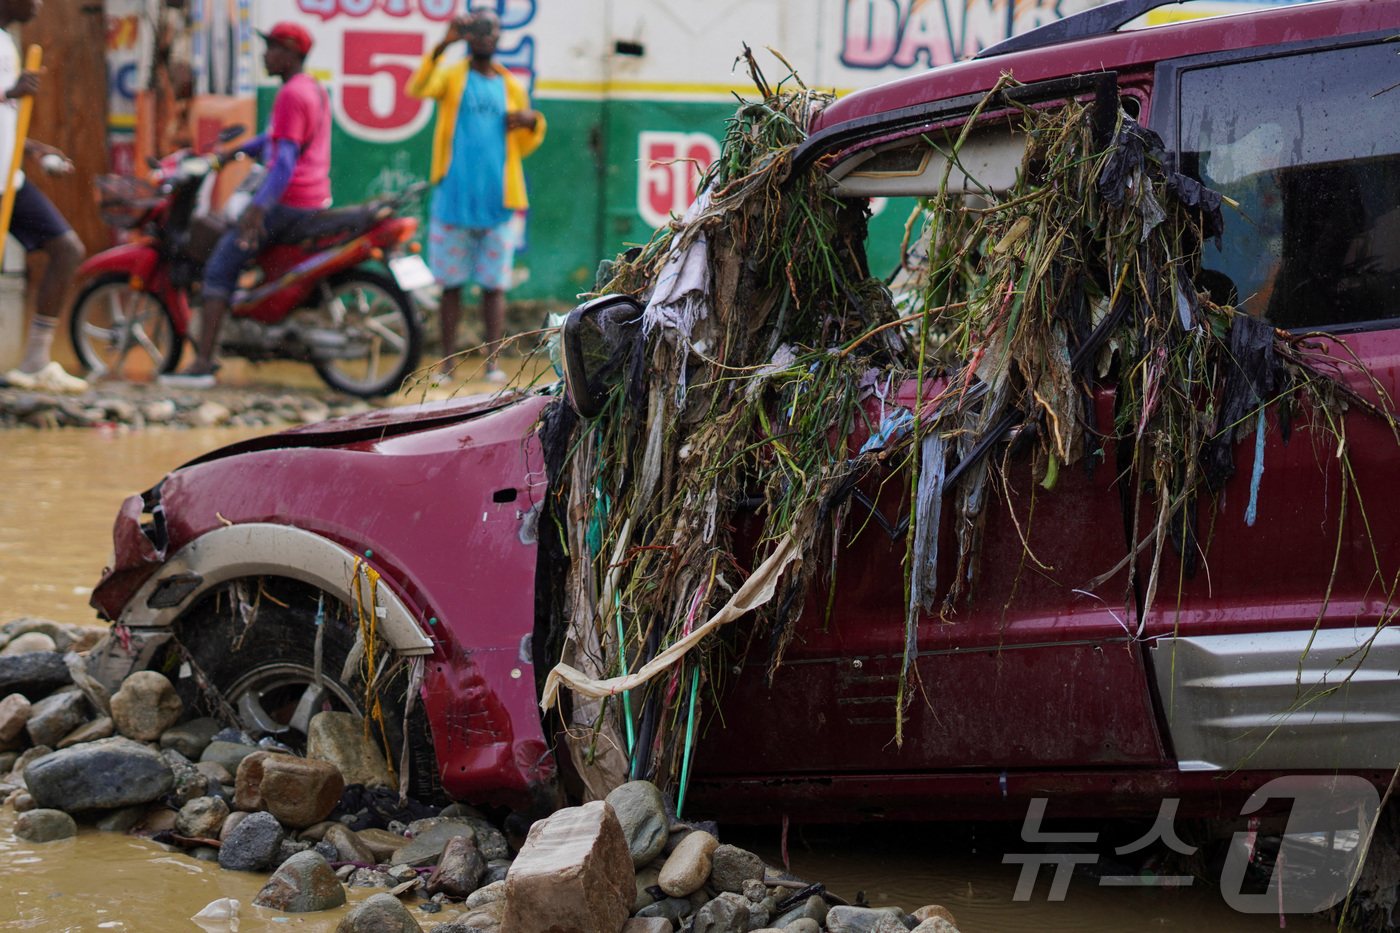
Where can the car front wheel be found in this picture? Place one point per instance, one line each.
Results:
(267, 654)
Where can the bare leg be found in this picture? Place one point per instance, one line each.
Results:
(66, 254)
(449, 313)
(493, 315)
(211, 314)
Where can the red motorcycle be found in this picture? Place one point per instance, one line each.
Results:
(331, 291)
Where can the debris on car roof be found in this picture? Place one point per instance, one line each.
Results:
(739, 373)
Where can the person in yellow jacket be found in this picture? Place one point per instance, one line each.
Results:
(485, 126)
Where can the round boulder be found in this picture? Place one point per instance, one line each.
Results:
(304, 883)
(731, 866)
(101, 775)
(28, 643)
(201, 818)
(381, 913)
(688, 867)
(146, 705)
(641, 809)
(45, 826)
(254, 844)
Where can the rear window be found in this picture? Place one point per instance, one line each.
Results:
(1308, 146)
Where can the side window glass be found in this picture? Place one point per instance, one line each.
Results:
(1312, 156)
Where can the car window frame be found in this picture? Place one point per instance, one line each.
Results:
(1164, 118)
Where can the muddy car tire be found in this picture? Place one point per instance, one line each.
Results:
(259, 664)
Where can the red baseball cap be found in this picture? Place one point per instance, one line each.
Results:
(292, 35)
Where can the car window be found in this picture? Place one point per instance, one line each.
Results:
(1308, 145)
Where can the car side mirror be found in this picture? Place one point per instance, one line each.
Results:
(596, 339)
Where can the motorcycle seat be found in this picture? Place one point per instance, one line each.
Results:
(336, 222)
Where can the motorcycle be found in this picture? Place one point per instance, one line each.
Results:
(311, 295)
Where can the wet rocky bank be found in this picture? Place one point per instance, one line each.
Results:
(318, 821)
(127, 406)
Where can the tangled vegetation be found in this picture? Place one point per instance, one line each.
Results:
(741, 387)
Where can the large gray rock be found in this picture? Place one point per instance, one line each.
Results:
(202, 818)
(380, 913)
(863, 920)
(459, 871)
(14, 713)
(304, 883)
(190, 738)
(688, 867)
(101, 775)
(728, 913)
(731, 866)
(573, 875)
(340, 739)
(52, 718)
(426, 848)
(34, 675)
(490, 841)
(146, 705)
(45, 826)
(254, 844)
(641, 809)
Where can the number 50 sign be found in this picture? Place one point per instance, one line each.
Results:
(375, 68)
(669, 167)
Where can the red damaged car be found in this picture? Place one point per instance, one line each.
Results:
(261, 576)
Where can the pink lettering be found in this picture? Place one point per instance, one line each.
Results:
(872, 33)
(439, 10)
(322, 8)
(925, 33)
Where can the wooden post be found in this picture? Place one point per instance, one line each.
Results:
(33, 59)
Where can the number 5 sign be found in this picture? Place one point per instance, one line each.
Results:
(373, 102)
(669, 167)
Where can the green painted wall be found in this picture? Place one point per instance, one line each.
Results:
(582, 183)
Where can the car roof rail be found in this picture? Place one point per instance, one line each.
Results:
(1098, 21)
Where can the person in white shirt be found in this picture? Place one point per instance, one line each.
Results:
(35, 222)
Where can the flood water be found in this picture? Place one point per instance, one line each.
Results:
(59, 491)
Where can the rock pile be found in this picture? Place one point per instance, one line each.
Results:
(137, 406)
(130, 762)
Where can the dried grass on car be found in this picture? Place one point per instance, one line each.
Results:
(764, 331)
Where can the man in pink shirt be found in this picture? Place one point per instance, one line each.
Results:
(297, 151)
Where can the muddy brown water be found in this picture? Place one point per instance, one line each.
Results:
(59, 491)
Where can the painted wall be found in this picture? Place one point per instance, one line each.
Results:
(629, 87)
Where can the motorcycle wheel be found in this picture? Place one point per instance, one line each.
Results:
(121, 333)
(380, 320)
(252, 651)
